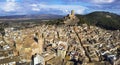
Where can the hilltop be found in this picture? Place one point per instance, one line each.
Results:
(101, 19)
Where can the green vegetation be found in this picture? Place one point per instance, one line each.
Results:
(2, 26)
(55, 22)
(105, 20)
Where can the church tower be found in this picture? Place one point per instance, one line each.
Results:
(41, 42)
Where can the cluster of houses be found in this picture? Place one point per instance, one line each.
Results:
(60, 45)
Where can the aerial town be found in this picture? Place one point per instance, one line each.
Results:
(67, 44)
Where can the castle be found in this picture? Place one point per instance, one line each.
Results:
(71, 19)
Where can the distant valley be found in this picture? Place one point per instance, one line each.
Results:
(27, 17)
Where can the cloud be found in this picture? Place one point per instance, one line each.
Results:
(35, 7)
(92, 1)
(9, 6)
(10, 0)
(80, 11)
(64, 8)
(57, 6)
(15, 7)
(103, 1)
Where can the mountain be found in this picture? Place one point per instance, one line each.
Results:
(20, 17)
(102, 19)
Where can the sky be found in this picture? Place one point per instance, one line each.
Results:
(59, 7)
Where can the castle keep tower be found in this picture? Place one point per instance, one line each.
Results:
(72, 15)
(71, 19)
(72, 12)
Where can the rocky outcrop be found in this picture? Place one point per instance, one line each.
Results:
(71, 19)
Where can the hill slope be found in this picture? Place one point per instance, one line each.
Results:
(105, 20)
